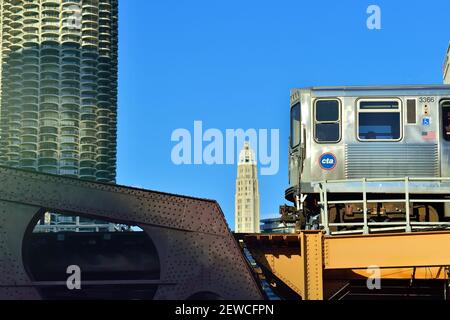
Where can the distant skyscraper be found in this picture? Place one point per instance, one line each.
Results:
(446, 71)
(275, 225)
(247, 214)
(58, 107)
(58, 91)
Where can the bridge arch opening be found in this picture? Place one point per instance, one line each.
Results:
(108, 261)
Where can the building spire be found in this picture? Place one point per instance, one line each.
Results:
(247, 155)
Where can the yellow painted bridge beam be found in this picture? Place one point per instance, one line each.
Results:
(305, 261)
(425, 249)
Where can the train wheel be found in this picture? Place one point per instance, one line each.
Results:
(427, 213)
(334, 217)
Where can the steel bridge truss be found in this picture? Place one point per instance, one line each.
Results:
(196, 251)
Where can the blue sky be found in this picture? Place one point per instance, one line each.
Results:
(231, 64)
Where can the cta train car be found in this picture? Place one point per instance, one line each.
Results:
(378, 135)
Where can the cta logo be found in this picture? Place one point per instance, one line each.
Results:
(328, 161)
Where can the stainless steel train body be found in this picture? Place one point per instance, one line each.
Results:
(348, 133)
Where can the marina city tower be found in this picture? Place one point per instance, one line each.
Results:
(58, 107)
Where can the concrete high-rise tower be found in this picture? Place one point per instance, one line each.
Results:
(58, 107)
(247, 215)
(58, 92)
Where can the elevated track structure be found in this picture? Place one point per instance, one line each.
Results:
(315, 266)
(186, 250)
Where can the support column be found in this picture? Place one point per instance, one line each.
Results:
(312, 254)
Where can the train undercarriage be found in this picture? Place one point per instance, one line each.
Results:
(350, 213)
(408, 204)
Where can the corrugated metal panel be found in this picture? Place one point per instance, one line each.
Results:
(384, 160)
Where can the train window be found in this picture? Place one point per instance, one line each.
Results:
(327, 121)
(295, 125)
(327, 110)
(379, 120)
(446, 120)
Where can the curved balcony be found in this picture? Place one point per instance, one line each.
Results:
(102, 167)
(49, 41)
(70, 103)
(47, 154)
(33, 60)
(69, 116)
(30, 42)
(49, 129)
(69, 132)
(27, 154)
(49, 18)
(70, 38)
(90, 54)
(69, 163)
(49, 51)
(16, 22)
(70, 74)
(50, 93)
(30, 19)
(68, 155)
(28, 164)
(50, 59)
(31, 46)
(90, 26)
(29, 148)
(69, 147)
(47, 163)
(88, 142)
(29, 108)
(103, 176)
(31, 6)
(29, 122)
(50, 82)
(50, 68)
(69, 123)
(18, 69)
(69, 50)
(50, 99)
(70, 92)
(86, 163)
(68, 140)
(71, 60)
(13, 102)
(48, 115)
(48, 169)
(88, 174)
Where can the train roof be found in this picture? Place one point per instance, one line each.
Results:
(437, 89)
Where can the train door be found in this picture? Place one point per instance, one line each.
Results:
(445, 145)
(295, 156)
(445, 140)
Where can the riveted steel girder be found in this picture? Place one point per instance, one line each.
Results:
(196, 249)
(307, 261)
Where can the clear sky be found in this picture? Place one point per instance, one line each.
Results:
(231, 64)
